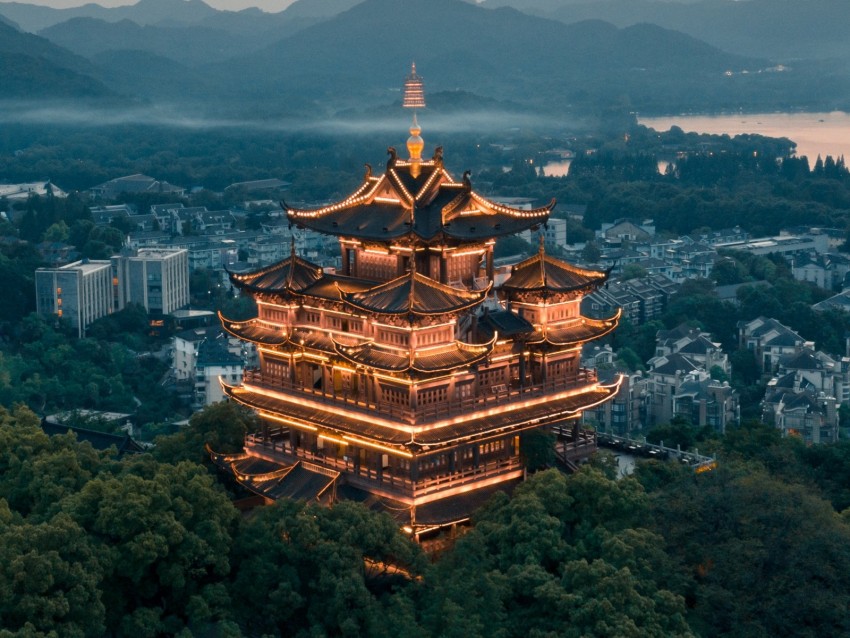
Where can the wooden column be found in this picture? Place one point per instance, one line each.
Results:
(489, 262)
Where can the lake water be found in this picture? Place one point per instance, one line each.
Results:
(815, 133)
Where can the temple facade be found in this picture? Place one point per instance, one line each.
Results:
(406, 379)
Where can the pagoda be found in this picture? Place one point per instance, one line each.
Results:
(406, 378)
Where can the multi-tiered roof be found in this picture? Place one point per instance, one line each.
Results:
(431, 207)
(407, 373)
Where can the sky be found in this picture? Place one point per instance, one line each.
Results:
(271, 6)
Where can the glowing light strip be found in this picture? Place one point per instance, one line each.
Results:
(476, 251)
(293, 423)
(276, 305)
(452, 322)
(535, 262)
(378, 446)
(427, 185)
(333, 439)
(413, 430)
(400, 184)
(515, 212)
(355, 198)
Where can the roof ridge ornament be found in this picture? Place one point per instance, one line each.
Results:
(393, 157)
(414, 98)
(543, 276)
(438, 157)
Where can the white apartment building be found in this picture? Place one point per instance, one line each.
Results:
(80, 292)
(156, 278)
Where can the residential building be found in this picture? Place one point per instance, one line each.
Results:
(214, 364)
(799, 412)
(554, 234)
(156, 278)
(704, 401)
(695, 344)
(22, 192)
(627, 230)
(627, 411)
(137, 183)
(769, 341)
(641, 299)
(782, 244)
(79, 292)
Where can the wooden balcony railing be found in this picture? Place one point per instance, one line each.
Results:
(276, 444)
(488, 397)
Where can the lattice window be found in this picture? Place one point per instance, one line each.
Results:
(432, 396)
(394, 396)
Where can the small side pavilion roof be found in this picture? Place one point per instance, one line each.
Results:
(579, 331)
(544, 273)
(432, 360)
(255, 331)
(293, 274)
(414, 294)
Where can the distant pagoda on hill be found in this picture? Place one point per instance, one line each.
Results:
(406, 379)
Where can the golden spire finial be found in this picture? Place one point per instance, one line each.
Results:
(414, 98)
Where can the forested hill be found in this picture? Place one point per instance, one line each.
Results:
(35, 17)
(91, 545)
(779, 29)
(314, 65)
(502, 53)
(33, 67)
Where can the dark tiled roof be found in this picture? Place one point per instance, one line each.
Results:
(329, 287)
(786, 381)
(785, 339)
(124, 443)
(272, 479)
(700, 345)
(543, 272)
(442, 359)
(675, 363)
(452, 509)
(583, 329)
(506, 322)
(397, 204)
(802, 400)
(804, 360)
(255, 331)
(293, 274)
(414, 294)
(212, 352)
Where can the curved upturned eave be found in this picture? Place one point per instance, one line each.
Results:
(474, 298)
(252, 331)
(593, 329)
(475, 352)
(310, 271)
(592, 278)
(537, 214)
(371, 183)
